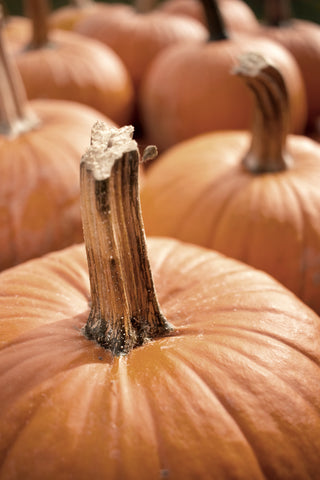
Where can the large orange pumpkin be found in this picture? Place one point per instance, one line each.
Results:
(41, 142)
(259, 204)
(220, 382)
(64, 65)
(189, 90)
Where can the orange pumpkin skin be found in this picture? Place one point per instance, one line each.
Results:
(237, 15)
(67, 16)
(139, 37)
(77, 70)
(234, 394)
(199, 192)
(39, 171)
(191, 90)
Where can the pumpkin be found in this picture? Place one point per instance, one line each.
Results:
(138, 34)
(67, 16)
(199, 368)
(302, 39)
(63, 65)
(188, 90)
(236, 14)
(254, 197)
(41, 143)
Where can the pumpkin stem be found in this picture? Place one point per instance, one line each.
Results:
(82, 3)
(277, 12)
(38, 12)
(267, 152)
(16, 116)
(144, 6)
(125, 312)
(216, 26)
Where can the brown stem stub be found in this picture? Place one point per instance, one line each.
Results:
(267, 152)
(125, 312)
(16, 116)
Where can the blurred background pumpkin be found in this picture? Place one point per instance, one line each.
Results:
(309, 9)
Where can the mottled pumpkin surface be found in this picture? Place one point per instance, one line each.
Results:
(232, 394)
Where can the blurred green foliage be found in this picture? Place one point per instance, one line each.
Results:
(307, 9)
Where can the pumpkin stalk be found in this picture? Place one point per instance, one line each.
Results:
(267, 152)
(125, 312)
(215, 23)
(144, 6)
(15, 116)
(38, 12)
(82, 3)
(277, 12)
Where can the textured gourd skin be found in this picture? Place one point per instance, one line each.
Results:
(199, 192)
(75, 69)
(39, 171)
(139, 37)
(191, 90)
(234, 393)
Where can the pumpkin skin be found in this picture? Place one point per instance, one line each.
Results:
(199, 192)
(67, 16)
(39, 209)
(77, 70)
(139, 37)
(220, 399)
(237, 15)
(190, 90)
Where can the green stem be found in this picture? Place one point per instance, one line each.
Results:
(216, 26)
(267, 152)
(124, 312)
(277, 12)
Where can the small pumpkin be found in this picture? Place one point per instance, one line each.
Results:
(139, 33)
(252, 197)
(41, 143)
(205, 379)
(62, 65)
(188, 90)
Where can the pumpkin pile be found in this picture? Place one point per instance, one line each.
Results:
(159, 314)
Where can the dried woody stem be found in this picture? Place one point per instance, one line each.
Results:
(125, 312)
(38, 12)
(215, 23)
(15, 115)
(82, 3)
(277, 12)
(267, 152)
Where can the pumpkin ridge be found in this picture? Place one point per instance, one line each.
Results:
(223, 208)
(275, 337)
(303, 232)
(232, 412)
(191, 368)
